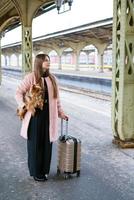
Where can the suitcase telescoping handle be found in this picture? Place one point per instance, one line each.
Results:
(66, 131)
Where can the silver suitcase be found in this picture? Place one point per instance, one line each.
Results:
(69, 154)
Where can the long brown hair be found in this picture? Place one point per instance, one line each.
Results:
(38, 71)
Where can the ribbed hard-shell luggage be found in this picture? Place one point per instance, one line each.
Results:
(69, 154)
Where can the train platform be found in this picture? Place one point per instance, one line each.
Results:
(92, 82)
(91, 72)
(106, 171)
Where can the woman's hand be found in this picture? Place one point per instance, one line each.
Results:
(21, 112)
(65, 117)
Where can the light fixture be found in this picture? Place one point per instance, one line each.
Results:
(2, 34)
(62, 4)
(70, 3)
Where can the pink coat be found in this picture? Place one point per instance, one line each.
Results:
(55, 109)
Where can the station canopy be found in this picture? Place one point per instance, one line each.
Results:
(10, 16)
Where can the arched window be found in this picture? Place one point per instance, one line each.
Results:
(3, 63)
(20, 60)
(54, 59)
(107, 58)
(67, 58)
(88, 56)
(13, 60)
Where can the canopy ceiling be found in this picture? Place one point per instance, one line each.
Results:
(10, 15)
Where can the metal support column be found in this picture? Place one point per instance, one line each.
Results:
(77, 53)
(0, 61)
(100, 62)
(60, 64)
(26, 49)
(123, 73)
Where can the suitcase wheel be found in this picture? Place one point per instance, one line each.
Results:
(78, 173)
(58, 172)
(66, 176)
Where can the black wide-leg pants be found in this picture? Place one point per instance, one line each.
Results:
(39, 146)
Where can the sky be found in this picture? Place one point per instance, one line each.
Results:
(82, 12)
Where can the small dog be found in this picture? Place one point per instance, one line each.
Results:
(33, 99)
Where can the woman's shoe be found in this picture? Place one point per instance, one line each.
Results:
(40, 178)
(46, 176)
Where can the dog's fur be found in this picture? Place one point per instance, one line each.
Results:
(33, 99)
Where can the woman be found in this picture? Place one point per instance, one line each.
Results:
(40, 130)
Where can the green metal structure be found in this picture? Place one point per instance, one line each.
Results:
(0, 62)
(26, 49)
(123, 73)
